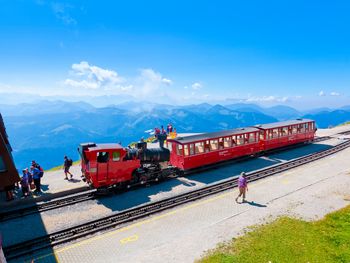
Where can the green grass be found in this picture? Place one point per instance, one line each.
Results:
(60, 167)
(345, 123)
(290, 240)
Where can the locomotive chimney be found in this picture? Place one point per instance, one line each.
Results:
(161, 139)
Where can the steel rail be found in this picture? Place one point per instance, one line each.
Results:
(126, 216)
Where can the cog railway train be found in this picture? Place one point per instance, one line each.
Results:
(106, 166)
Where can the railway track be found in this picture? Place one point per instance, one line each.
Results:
(81, 197)
(52, 204)
(126, 216)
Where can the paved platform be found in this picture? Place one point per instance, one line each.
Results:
(53, 186)
(277, 188)
(184, 233)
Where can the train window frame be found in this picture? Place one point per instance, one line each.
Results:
(227, 142)
(214, 142)
(284, 131)
(275, 133)
(261, 135)
(179, 149)
(192, 151)
(234, 140)
(252, 137)
(240, 140)
(116, 156)
(102, 157)
(199, 147)
(186, 150)
(3, 167)
(307, 126)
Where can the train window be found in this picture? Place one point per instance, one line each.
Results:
(102, 157)
(252, 137)
(275, 133)
(221, 143)
(179, 149)
(116, 156)
(199, 147)
(240, 139)
(2, 165)
(186, 150)
(270, 134)
(191, 149)
(213, 145)
(234, 141)
(284, 131)
(306, 126)
(262, 137)
(227, 142)
(294, 129)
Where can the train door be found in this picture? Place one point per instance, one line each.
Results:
(102, 166)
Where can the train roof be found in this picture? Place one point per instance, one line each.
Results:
(104, 146)
(212, 135)
(282, 123)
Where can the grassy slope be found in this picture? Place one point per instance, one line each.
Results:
(60, 167)
(290, 240)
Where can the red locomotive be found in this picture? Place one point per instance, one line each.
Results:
(111, 165)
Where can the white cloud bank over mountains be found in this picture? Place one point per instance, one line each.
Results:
(148, 84)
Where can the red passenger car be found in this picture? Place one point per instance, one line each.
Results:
(104, 165)
(281, 134)
(201, 150)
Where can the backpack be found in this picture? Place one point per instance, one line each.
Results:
(70, 162)
(41, 170)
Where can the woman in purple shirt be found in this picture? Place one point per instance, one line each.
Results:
(242, 186)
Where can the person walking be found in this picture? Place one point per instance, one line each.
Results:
(66, 165)
(242, 186)
(37, 178)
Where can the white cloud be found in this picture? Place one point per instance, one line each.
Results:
(151, 83)
(321, 93)
(155, 77)
(93, 77)
(167, 81)
(334, 93)
(196, 86)
(81, 84)
(61, 12)
(267, 99)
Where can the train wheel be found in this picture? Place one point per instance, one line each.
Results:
(143, 179)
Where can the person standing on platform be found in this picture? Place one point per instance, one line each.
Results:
(37, 179)
(242, 186)
(25, 183)
(66, 165)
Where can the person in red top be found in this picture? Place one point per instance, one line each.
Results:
(242, 186)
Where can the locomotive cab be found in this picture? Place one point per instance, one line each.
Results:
(106, 165)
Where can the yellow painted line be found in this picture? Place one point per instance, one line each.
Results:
(129, 239)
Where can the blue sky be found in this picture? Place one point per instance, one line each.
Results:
(268, 52)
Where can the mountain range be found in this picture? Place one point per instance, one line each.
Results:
(45, 131)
